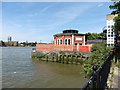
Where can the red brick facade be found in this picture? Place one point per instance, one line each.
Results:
(52, 47)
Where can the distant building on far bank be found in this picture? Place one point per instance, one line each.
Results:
(9, 42)
(2, 43)
(12, 43)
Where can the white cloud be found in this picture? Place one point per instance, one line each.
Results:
(45, 8)
(100, 5)
(68, 14)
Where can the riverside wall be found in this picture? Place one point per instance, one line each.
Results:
(52, 47)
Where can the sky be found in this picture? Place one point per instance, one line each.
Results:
(39, 21)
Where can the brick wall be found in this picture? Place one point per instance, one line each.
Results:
(44, 47)
(85, 49)
(52, 47)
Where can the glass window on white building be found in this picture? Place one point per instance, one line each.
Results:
(109, 26)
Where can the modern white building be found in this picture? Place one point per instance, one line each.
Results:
(110, 31)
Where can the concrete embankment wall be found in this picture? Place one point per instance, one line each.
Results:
(52, 47)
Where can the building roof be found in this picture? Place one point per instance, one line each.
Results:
(69, 32)
(111, 16)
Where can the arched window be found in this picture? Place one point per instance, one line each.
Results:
(60, 41)
(68, 41)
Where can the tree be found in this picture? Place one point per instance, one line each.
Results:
(91, 36)
(100, 51)
(116, 7)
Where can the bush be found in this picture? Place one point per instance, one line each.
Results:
(99, 52)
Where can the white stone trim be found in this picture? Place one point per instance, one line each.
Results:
(84, 41)
(72, 39)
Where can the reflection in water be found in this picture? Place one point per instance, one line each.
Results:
(20, 71)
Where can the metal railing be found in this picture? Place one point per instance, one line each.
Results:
(98, 79)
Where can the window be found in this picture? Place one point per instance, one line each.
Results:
(60, 41)
(108, 26)
(108, 44)
(112, 44)
(111, 26)
(111, 32)
(108, 32)
(68, 41)
(80, 43)
(75, 43)
(108, 35)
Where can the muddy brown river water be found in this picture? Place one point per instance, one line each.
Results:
(20, 71)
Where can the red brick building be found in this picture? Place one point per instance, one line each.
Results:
(69, 37)
(69, 40)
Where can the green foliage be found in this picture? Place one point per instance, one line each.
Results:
(118, 65)
(88, 71)
(62, 52)
(29, 44)
(117, 23)
(91, 36)
(81, 61)
(116, 7)
(99, 51)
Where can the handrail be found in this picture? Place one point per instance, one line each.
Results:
(100, 75)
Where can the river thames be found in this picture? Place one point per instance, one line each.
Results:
(20, 71)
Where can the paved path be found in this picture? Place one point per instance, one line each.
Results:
(118, 78)
(114, 79)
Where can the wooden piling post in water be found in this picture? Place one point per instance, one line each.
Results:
(63, 59)
(52, 58)
(60, 58)
(76, 60)
(71, 59)
(57, 58)
(67, 59)
(47, 58)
